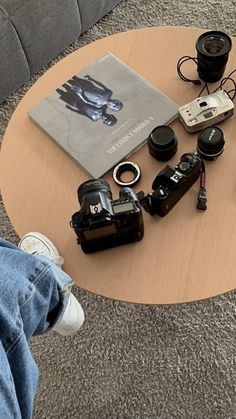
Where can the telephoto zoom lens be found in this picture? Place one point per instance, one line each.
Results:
(213, 49)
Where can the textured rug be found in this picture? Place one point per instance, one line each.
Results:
(137, 361)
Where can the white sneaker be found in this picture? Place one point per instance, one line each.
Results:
(73, 316)
(37, 244)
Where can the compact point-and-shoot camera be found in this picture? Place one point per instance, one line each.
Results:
(206, 111)
(171, 184)
(102, 222)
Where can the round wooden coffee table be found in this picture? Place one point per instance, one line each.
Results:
(187, 255)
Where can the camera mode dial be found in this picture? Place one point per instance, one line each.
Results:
(184, 166)
(161, 192)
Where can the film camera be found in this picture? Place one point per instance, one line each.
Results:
(102, 222)
(171, 184)
(206, 111)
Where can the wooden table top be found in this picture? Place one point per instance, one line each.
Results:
(187, 255)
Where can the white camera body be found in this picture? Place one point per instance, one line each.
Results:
(206, 111)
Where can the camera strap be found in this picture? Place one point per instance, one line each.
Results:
(202, 196)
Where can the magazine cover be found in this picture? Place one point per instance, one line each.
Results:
(103, 114)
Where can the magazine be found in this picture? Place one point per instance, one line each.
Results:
(103, 114)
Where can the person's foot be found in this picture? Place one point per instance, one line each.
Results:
(38, 244)
(72, 318)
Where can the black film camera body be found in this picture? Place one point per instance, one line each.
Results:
(102, 222)
(171, 184)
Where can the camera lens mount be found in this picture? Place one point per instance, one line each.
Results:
(126, 166)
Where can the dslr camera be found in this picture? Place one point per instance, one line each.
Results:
(103, 222)
(171, 184)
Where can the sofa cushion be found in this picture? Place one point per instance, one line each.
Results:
(44, 27)
(15, 70)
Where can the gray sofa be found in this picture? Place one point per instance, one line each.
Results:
(33, 32)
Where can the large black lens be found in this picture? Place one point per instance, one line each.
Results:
(93, 185)
(213, 49)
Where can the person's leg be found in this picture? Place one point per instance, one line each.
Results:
(34, 297)
(8, 399)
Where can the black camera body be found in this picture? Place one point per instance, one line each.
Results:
(103, 222)
(171, 184)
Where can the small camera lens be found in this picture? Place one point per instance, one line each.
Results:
(210, 143)
(162, 143)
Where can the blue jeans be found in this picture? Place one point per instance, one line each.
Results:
(33, 294)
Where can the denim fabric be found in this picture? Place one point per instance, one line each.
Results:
(33, 294)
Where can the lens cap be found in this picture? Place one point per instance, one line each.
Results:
(210, 143)
(162, 143)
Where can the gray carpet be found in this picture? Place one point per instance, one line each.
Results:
(137, 361)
